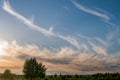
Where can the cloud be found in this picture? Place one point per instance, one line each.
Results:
(113, 34)
(119, 40)
(6, 6)
(71, 40)
(103, 42)
(96, 44)
(66, 8)
(91, 11)
(65, 59)
(91, 56)
(98, 49)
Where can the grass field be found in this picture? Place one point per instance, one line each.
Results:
(99, 76)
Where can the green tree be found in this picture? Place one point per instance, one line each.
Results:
(33, 69)
(7, 75)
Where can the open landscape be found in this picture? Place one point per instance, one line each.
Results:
(106, 76)
(59, 40)
(34, 70)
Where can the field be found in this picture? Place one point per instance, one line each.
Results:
(99, 76)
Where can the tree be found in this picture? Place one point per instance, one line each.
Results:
(7, 75)
(33, 69)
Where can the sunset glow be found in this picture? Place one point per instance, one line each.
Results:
(68, 36)
(3, 45)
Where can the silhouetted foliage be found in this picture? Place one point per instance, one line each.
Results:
(33, 69)
(7, 75)
(98, 76)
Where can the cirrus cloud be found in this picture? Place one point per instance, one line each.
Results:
(62, 60)
(91, 11)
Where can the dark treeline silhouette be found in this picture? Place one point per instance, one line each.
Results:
(98, 76)
(34, 70)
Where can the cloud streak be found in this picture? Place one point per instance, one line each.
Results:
(6, 6)
(91, 55)
(91, 11)
(62, 60)
(71, 40)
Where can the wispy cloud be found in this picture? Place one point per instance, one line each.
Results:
(118, 40)
(98, 49)
(106, 18)
(97, 44)
(113, 34)
(91, 11)
(66, 8)
(103, 42)
(63, 60)
(6, 6)
(71, 40)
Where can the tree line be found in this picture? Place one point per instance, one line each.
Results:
(34, 70)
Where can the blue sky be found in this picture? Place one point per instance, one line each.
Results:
(73, 34)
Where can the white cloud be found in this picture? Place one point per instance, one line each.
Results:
(91, 11)
(6, 6)
(84, 37)
(103, 42)
(62, 60)
(71, 40)
(98, 49)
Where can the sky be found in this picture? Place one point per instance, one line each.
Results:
(67, 36)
